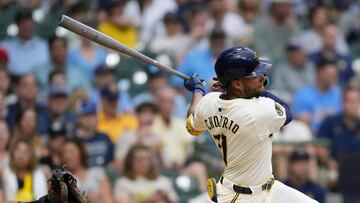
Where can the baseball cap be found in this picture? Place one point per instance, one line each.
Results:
(57, 91)
(299, 154)
(4, 57)
(85, 107)
(294, 45)
(110, 92)
(103, 68)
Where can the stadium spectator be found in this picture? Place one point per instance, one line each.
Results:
(59, 62)
(177, 141)
(342, 131)
(174, 42)
(99, 145)
(299, 165)
(23, 180)
(328, 50)
(249, 10)
(145, 114)
(110, 121)
(26, 129)
(158, 80)
(197, 35)
(54, 147)
(26, 50)
(87, 57)
(92, 180)
(104, 75)
(231, 22)
(314, 102)
(140, 181)
(57, 79)
(27, 95)
(201, 61)
(57, 113)
(319, 18)
(119, 26)
(146, 14)
(274, 30)
(294, 73)
(4, 145)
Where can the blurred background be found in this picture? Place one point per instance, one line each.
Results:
(119, 124)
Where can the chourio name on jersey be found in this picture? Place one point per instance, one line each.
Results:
(221, 122)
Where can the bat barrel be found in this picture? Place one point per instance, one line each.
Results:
(106, 41)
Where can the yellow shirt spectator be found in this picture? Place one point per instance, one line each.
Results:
(127, 36)
(115, 127)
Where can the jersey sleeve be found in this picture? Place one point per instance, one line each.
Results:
(270, 117)
(195, 123)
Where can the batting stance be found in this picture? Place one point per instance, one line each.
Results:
(242, 121)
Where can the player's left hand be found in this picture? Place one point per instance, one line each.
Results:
(195, 84)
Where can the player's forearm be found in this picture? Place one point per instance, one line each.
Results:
(194, 101)
(282, 103)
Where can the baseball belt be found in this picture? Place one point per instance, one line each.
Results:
(247, 190)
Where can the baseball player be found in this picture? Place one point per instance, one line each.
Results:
(242, 120)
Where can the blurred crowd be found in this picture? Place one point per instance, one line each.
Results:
(119, 125)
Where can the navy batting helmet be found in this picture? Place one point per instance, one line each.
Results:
(239, 62)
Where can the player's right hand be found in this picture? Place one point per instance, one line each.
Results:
(195, 84)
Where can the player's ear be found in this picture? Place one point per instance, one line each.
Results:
(237, 84)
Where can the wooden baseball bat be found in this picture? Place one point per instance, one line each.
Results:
(106, 41)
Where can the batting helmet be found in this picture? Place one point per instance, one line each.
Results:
(239, 62)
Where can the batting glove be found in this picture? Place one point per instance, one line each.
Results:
(195, 84)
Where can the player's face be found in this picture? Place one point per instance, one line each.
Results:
(254, 86)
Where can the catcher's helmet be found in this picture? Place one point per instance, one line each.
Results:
(239, 62)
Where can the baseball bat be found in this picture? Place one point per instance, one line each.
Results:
(106, 41)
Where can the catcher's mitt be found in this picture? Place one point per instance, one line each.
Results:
(63, 187)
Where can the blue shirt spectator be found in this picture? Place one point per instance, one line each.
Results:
(100, 149)
(87, 57)
(313, 103)
(202, 61)
(25, 56)
(59, 62)
(317, 104)
(343, 132)
(197, 61)
(99, 145)
(26, 51)
(341, 136)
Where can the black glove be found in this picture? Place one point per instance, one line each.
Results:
(195, 84)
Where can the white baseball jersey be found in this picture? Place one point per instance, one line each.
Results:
(242, 130)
